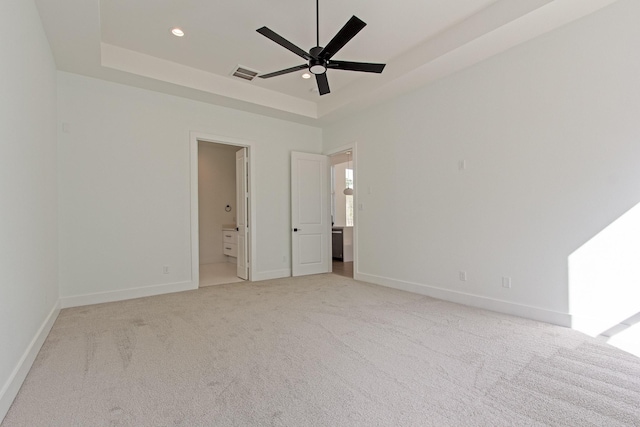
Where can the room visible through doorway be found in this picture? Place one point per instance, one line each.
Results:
(342, 212)
(221, 213)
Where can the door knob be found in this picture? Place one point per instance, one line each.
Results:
(295, 229)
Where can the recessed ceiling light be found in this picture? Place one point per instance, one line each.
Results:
(177, 32)
(306, 76)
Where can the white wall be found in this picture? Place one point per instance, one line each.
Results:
(216, 190)
(125, 190)
(551, 137)
(28, 195)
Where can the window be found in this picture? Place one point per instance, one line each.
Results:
(349, 204)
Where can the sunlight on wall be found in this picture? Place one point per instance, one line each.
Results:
(604, 290)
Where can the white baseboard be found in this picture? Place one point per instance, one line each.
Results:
(528, 312)
(125, 294)
(273, 274)
(10, 389)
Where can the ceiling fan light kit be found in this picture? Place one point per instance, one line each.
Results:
(319, 58)
(317, 67)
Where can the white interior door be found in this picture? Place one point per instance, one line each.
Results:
(310, 230)
(242, 202)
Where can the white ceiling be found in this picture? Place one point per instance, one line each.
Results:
(419, 40)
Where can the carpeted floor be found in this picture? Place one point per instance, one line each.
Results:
(319, 351)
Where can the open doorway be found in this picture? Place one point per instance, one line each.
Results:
(342, 212)
(222, 213)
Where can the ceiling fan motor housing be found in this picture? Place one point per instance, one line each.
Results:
(315, 51)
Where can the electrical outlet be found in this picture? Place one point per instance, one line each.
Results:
(165, 269)
(463, 276)
(506, 282)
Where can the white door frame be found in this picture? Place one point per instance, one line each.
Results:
(353, 147)
(194, 137)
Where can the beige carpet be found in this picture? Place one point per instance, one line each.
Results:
(319, 351)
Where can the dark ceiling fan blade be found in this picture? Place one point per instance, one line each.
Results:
(285, 71)
(365, 67)
(323, 83)
(283, 42)
(350, 29)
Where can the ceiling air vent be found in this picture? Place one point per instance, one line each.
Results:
(244, 73)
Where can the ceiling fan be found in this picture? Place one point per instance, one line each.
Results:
(319, 58)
